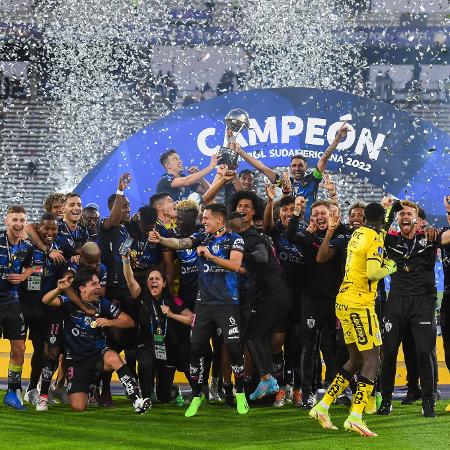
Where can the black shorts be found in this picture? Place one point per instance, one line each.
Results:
(12, 322)
(225, 318)
(81, 374)
(55, 328)
(35, 321)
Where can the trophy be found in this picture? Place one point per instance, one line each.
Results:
(236, 120)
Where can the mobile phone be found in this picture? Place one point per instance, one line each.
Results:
(125, 246)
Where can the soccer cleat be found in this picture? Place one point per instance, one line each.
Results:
(31, 396)
(141, 405)
(241, 403)
(214, 393)
(105, 400)
(320, 414)
(229, 394)
(371, 406)
(411, 397)
(358, 426)
(193, 407)
(280, 398)
(42, 404)
(308, 400)
(59, 393)
(289, 390)
(385, 408)
(428, 408)
(297, 397)
(13, 399)
(447, 408)
(264, 388)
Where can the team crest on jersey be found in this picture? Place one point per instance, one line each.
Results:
(215, 248)
(380, 250)
(189, 251)
(311, 322)
(423, 242)
(387, 325)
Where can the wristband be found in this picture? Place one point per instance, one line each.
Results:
(126, 261)
(119, 192)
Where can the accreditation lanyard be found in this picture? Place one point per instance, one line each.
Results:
(11, 256)
(159, 336)
(72, 237)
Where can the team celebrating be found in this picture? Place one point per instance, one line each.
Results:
(245, 297)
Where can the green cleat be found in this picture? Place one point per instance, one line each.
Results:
(195, 404)
(241, 403)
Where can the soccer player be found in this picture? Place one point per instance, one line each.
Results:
(54, 203)
(355, 308)
(302, 184)
(15, 255)
(176, 183)
(286, 341)
(411, 305)
(86, 349)
(165, 209)
(271, 297)
(445, 305)
(220, 258)
(91, 220)
(320, 287)
(42, 279)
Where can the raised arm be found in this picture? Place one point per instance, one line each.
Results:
(185, 317)
(173, 243)
(268, 222)
(196, 176)
(51, 298)
(222, 177)
(258, 165)
(291, 231)
(116, 211)
(326, 252)
(132, 284)
(342, 133)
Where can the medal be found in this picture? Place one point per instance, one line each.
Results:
(406, 268)
(94, 322)
(159, 331)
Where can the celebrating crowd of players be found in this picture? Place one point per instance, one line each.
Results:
(259, 289)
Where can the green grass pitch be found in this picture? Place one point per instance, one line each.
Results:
(216, 427)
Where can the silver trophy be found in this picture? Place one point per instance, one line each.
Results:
(236, 120)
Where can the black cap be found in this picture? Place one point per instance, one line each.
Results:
(374, 212)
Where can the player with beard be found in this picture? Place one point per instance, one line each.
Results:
(411, 305)
(271, 297)
(42, 279)
(445, 305)
(176, 183)
(220, 258)
(355, 308)
(287, 336)
(54, 204)
(86, 348)
(302, 184)
(320, 287)
(15, 255)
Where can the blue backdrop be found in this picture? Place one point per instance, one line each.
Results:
(387, 147)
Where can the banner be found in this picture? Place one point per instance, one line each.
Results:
(389, 148)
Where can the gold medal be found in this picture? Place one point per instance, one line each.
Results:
(158, 330)
(407, 269)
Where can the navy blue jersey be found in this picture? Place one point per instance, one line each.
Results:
(13, 258)
(307, 187)
(445, 251)
(144, 254)
(109, 242)
(189, 273)
(69, 241)
(289, 254)
(101, 271)
(217, 285)
(43, 279)
(177, 194)
(80, 339)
